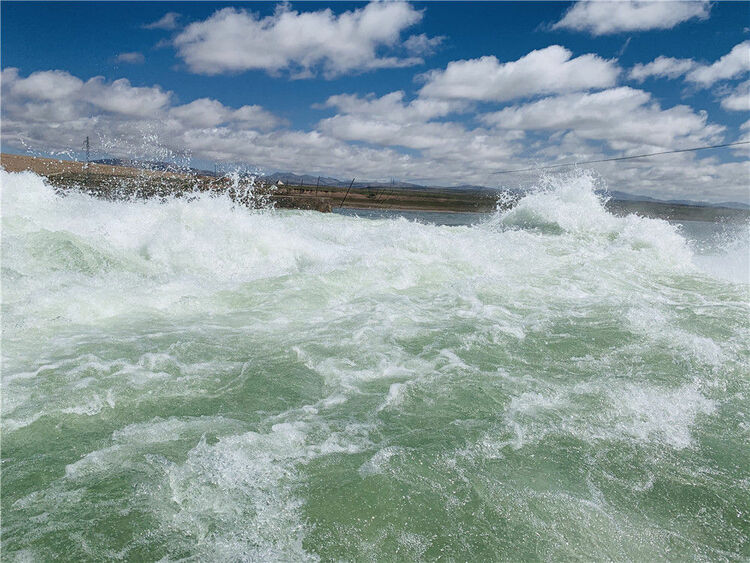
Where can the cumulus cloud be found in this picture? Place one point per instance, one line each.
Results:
(624, 118)
(205, 113)
(738, 99)
(604, 17)
(662, 67)
(420, 135)
(57, 90)
(733, 64)
(54, 110)
(207, 129)
(545, 71)
(390, 121)
(120, 97)
(564, 128)
(42, 85)
(235, 40)
(168, 22)
(131, 58)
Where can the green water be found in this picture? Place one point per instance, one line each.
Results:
(192, 381)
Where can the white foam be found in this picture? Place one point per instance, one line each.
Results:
(729, 257)
(235, 498)
(193, 299)
(628, 412)
(649, 413)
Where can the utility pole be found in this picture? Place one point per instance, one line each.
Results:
(347, 193)
(87, 147)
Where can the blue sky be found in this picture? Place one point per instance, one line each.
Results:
(442, 93)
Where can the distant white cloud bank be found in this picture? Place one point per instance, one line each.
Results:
(602, 17)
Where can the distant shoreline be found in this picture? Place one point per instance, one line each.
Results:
(115, 181)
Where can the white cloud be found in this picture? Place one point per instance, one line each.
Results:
(42, 85)
(205, 113)
(132, 58)
(545, 71)
(625, 118)
(392, 107)
(168, 21)
(50, 93)
(121, 98)
(422, 44)
(603, 17)
(256, 117)
(668, 67)
(233, 40)
(680, 176)
(738, 99)
(53, 111)
(388, 121)
(387, 133)
(445, 147)
(733, 64)
(201, 113)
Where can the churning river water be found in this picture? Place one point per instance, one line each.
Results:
(193, 380)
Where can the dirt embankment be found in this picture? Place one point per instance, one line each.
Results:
(117, 182)
(52, 167)
(110, 181)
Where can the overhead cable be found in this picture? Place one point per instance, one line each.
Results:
(622, 158)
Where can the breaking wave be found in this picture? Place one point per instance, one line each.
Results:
(193, 379)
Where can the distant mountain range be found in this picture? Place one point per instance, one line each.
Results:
(310, 180)
(624, 196)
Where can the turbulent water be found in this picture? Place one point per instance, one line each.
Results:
(196, 380)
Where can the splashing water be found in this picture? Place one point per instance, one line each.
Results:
(199, 380)
(243, 189)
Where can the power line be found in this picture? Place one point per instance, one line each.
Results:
(622, 158)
